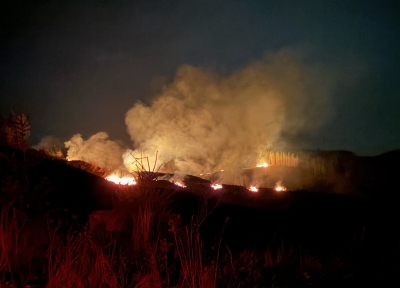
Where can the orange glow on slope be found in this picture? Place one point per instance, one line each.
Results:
(216, 186)
(121, 180)
(279, 188)
(253, 189)
(179, 183)
(262, 165)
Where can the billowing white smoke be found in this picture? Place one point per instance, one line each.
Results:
(204, 122)
(97, 150)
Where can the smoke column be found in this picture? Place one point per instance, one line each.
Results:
(97, 150)
(205, 122)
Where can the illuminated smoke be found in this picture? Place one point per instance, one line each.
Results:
(97, 150)
(205, 122)
(48, 142)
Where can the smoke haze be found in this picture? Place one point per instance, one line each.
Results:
(205, 122)
(97, 150)
(48, 142)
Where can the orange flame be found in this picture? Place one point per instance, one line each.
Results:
(179, 183)
(125, 180)
(253, 189)
(216, 186)
(279, 187)
(262, 165)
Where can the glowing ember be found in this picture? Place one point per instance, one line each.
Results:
(253, 189)
(179, 183)
(216, 186)
(279, 188)
(121, 180)
(265, 164)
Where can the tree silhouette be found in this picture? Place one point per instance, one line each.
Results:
(16, 130)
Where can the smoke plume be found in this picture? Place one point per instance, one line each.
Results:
(206, 122)
(97, 150)
(48, 142)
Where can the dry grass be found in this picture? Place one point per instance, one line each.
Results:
(196, 271)
(147, 246)
(77, 261)
(10, 231)
(279, 158)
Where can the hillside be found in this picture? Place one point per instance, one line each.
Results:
(294, 238)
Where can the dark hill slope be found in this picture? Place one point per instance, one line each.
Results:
(38, 182)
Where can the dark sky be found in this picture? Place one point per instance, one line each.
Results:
(78, 66)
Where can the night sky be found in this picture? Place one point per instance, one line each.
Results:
(78, 66)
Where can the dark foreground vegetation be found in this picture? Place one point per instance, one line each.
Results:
(64, 227)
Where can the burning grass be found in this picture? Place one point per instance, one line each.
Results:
(253, 189)
(262, 165)
(216, 186)
(179, 183)
(124, 180)
(279, 187)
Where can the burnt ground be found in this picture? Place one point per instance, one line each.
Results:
(343, 239)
